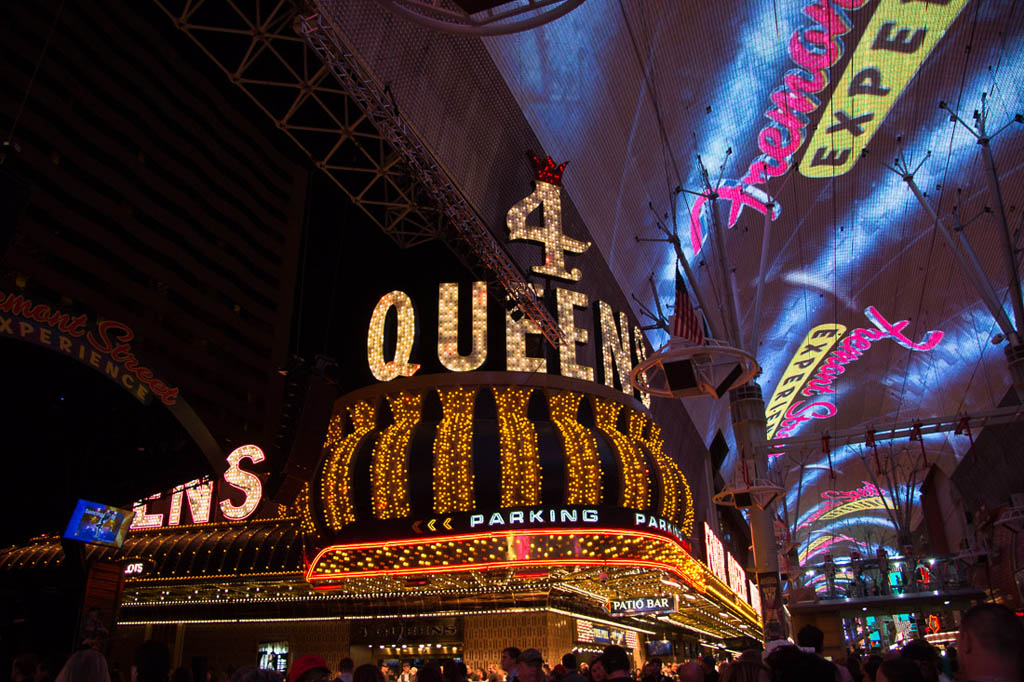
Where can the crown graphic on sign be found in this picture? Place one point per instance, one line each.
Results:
(547, 171)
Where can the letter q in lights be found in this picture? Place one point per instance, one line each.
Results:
(245, 481)
(382, 369)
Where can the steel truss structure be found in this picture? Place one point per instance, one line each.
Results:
(333, 109)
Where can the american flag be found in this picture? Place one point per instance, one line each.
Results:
(686, 323)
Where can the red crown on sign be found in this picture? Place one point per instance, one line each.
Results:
(547, 171)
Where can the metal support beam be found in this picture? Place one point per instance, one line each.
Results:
(1009, 255)
(976, 421)
(359, 83)
(731, 313)
(968, 260)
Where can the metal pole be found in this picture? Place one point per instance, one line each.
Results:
(1011, 261)
(755, 332)
(729, 299)
(746, 407)
(969, 262)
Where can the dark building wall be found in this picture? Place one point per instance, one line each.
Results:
(153, 200)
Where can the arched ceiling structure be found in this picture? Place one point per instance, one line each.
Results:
(646, 97)
(819, 107)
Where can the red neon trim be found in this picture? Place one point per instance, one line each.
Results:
(383, 572)
(492, 535)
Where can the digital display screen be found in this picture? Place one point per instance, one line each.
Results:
(602, 635)
(659, 647)
(99, 524)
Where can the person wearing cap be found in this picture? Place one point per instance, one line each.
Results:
(309, 668)
(530, 664)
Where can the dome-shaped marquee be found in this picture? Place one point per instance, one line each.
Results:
(490, 441)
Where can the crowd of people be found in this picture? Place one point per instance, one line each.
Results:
(990, 648)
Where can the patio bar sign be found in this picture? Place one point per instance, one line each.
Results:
(642, 605)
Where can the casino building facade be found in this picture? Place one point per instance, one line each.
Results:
(447, 516)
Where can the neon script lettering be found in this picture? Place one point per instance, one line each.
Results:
(814, 48)
(837, 498)
(849, 349)
(858, 341)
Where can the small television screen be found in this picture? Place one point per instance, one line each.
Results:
(659, 647)
(602, 635)
(99, 524)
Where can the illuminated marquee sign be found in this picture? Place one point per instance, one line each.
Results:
(737, 577)
(755, 597)
(524, 518)
(642, 605)
(716, 554)
(199, 495)
(896, 42)
(505, 549)
(846, 351)
(104, 345)
(617, 345)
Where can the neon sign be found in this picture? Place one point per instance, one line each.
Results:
(106, 345)
(839, 503)
(898, 39)
(737, 577)
(815, 346)
(715, 554)
(199, 495)
(815, 49)
(849, 349)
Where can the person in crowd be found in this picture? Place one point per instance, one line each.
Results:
(428, 673)
(791, 664)
(812, 639)
(492, 673)
(23, 668)
(745, 671)
(899, 670)
(252, 673)
(368, 672)
(854, 667)
(530, 666)
(990, 645)
(871, 667)
(345, 668)
(406, 674)
(707, 664)
(691, 671)
(152, 662)
(454, 672)
(558, 673)
(181, 674)
(46, 671)
(616, 662)
(309, 668)
(508, 662)
(87, 665)
(596, 671)
(926, 657)
(651, 672)
(571, 665)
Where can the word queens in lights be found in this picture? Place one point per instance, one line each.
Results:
(391, 346)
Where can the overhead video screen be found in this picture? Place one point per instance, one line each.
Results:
(99, 524)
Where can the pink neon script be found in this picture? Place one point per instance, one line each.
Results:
(858, 341)
(815, 49)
